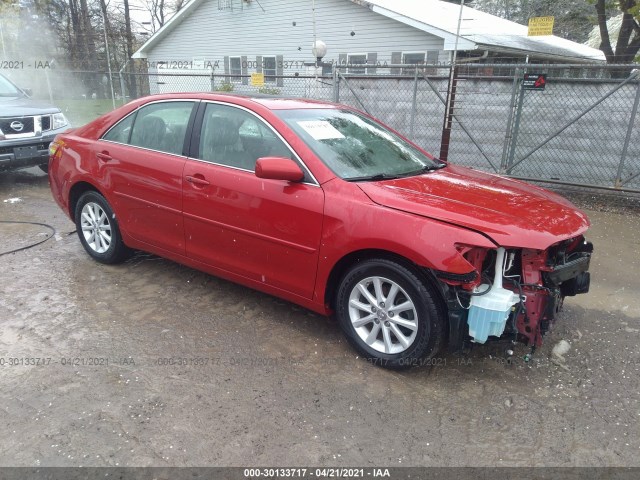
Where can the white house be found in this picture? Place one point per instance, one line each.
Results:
(274, 37)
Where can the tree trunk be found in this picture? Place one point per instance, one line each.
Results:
(130, 79)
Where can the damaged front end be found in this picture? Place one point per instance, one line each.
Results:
(514, 292)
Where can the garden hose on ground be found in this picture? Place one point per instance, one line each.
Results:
(53, 232)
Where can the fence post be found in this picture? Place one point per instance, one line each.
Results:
(448, 114)
(336, 84)
(46, 75)
(625, 149)
(122, 91)
(512, 106)
(213, 80)
(414, 102)
(516, 128)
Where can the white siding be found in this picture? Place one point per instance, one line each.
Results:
(249, 31)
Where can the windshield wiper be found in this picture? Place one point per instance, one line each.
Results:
(372, 178)
(430, 168)
(387, 176)
(427, 168)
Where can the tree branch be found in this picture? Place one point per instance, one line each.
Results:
(605, 43)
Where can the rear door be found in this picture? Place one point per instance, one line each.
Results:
(144, 157)
(265, 230)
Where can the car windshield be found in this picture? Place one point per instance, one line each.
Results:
(356, 148)
(8, 89)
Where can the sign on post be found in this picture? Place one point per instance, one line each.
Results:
(539, 26)
(534, 81)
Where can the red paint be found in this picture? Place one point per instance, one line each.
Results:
(278, 169)
(284, 237)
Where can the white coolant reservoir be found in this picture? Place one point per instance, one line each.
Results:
(488, 313)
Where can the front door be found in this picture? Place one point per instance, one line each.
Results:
(265, 230)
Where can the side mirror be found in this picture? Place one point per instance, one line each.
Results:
(278, 168)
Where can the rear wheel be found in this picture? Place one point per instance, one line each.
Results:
(98, 230)
(388, 314)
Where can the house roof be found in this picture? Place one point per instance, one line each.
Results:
(172, 23)
(481, 29)
(478, 30)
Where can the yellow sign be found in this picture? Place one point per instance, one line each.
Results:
(540, 26)
(257, 79)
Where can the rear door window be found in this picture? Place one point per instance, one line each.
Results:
(159, 126)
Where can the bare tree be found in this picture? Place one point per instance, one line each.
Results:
(161, 10)
(627, 44)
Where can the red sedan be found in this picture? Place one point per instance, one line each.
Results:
(326, 207)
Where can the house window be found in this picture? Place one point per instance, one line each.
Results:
(269, 68)
(412, 59)
(358, 59)
(235, 68)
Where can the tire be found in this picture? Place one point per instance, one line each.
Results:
(98, 229)
(44, 167)
(367, 310)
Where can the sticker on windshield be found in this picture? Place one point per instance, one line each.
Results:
(320, 129)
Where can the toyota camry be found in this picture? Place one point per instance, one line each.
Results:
(324, 206)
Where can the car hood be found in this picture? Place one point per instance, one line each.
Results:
(511, 213)
(23, 106)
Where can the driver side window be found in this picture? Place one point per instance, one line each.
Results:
(230, 136)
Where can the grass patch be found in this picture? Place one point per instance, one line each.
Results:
(81, 111)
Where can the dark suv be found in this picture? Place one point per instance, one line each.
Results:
(27, 127)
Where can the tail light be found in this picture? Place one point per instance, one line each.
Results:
(55, 150)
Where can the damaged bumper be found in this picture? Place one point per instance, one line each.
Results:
(523, 291)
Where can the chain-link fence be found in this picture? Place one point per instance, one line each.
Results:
(579, 127)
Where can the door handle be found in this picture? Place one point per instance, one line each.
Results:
(197, 180)
(104, 156)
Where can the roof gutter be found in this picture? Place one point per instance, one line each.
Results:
(523, 52)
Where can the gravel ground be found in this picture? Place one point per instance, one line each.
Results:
(264, 382)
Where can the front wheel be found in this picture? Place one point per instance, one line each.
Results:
(388, 314)
(98, 229)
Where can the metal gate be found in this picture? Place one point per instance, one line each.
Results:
(582, 129)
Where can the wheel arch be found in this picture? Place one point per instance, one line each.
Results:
(76, 191)
(341, 266)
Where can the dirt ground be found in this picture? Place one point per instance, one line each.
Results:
(99, 380)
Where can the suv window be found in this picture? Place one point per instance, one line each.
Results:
(8, 89)
(160, 126)
(231, 136)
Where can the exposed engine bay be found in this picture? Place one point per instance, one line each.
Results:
(516, 293)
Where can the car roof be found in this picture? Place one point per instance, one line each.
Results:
(267, 101)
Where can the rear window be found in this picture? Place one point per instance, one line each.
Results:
(160, 126)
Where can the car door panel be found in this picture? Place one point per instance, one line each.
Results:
(148, 190)
(143, 158)
(266, 230)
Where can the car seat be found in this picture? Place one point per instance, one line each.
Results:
(221, 144)
(149, 133)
